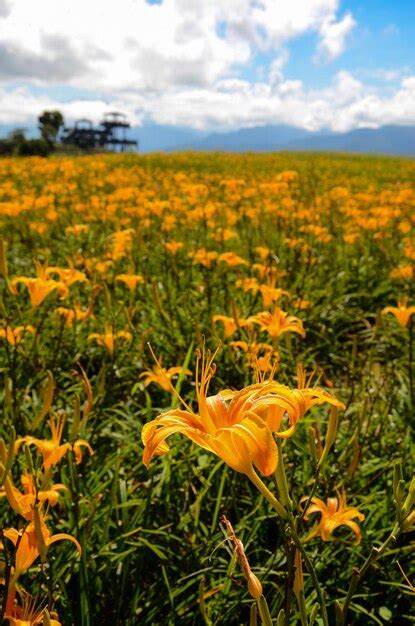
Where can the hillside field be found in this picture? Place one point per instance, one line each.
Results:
(256, 313)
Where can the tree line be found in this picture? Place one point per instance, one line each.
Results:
(17, 144)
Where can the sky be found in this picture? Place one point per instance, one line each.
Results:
(210, 64)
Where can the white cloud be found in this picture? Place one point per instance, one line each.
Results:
(231, 103)
(333, 36)
(181, 62)
(135, 45)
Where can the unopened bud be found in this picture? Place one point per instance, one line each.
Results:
(313, 614)
(3, 259)
(410, 499)
(408, 522)
(298, 576)
(41, 545)
(330, 435)
(312, 445)
(254, 586)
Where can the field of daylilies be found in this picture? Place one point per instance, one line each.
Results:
(208, 389)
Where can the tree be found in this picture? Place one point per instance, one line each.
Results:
(49, 124)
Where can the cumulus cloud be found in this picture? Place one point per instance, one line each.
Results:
(156, 46)
(333, 36)
(232, 103)
(184, 62)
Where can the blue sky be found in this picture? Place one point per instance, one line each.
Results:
(208, 64)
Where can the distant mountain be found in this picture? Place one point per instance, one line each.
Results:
(156, 137)
(398, 140)
(257, 139)
(384, 140)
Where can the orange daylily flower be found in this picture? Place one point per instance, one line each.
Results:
(162, 376)
(263, 252)
(15, 335)
(173, 246)
(108, 338)
(76, 229)
(28, 544)
(131, 280)
(74, 313)
(26, 614)
(203, 256)
(278, 322)
(333, 514)
(68, 275)
(402, 312)
(39, 288)
(23, 503)
(52, 450)
(232, 259)
(230, 324)
(237, 426)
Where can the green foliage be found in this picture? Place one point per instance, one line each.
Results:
(153, 551)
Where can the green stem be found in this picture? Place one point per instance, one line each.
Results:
(276, 504)
(411, 376)
(263, 611)
(312, 572)
(358, 574)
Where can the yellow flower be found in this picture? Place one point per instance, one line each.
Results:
(131, 280)
(108, 338)
(401, 312)
(28, 544)
(68, 275)
(232, 259)
(76, 229)
(26, 614)
(230, 324)
(23, 503)
(52, 450)
(204, 257)
(333, 514)
(39, 288)
(173, 246)
(75, 313)
(15, 335)
(162, 376)
(278, 322)
(237, 426)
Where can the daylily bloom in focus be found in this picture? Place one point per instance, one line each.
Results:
(23, 503)
(15, 335)
(162, 376)
(333, 514)
(237, 426)
(108, 338)
(278, 322)
(52, 450)
(402, 312)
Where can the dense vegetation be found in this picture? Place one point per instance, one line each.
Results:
(104, 255)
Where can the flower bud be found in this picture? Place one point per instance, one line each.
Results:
(254, 586)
